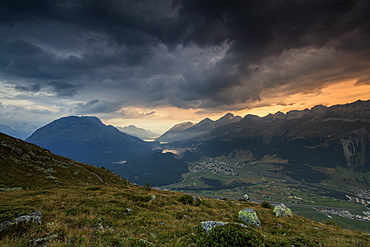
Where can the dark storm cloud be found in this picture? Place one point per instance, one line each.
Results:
(296, 43)
(33, 88)
(189, 53)
(24, 59)
(98, 106)
(63, 88)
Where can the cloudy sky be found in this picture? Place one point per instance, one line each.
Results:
(155, 63)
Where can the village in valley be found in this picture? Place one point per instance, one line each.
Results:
(216, 166)
(343, 213)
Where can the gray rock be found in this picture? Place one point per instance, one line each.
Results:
(42, 242)
(244, 198)
(249, 216)
(35, 217)
(282, 211)
(11, 189)
(209, 225)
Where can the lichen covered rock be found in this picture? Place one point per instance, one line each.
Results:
(282, 210)
(249, 216)
(35, 217)
(208, 225)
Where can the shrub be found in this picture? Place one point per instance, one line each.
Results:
(228, 235)
(93, 188)
(211, 182)
(265, 204)
(147, 186)
(186, 199)
(330, 222)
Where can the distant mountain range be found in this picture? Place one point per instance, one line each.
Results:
(25, 165)
(138, 132)
(88, 140)
(15, 132)
(323, 136)
(188, 130)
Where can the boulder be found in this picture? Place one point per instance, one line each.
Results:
(282, 210)
(244, 198)
(249, 217)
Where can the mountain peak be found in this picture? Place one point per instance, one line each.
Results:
(182, 126)
(193, 130)
(226, 119)
(88, 140)
(227, 116)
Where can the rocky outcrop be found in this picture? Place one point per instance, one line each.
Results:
(35, 217)
(42, 242)
(282, 211)
(354, 148)
(209, 225)
(249, 217)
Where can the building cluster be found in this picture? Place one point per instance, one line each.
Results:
(340, 212)
(343, 213)
(362, 198)
(216, 166)
(364, 194)
(365, 217)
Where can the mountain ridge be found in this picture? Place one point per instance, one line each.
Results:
(336, 135)
(26, 165)
(88, 140)
(187, 130)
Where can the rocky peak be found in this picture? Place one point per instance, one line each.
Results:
(319, 109)
(228, 118)
(181, 126)
(206, 124)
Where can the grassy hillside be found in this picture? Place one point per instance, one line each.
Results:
(101, 216)
(25, 165)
